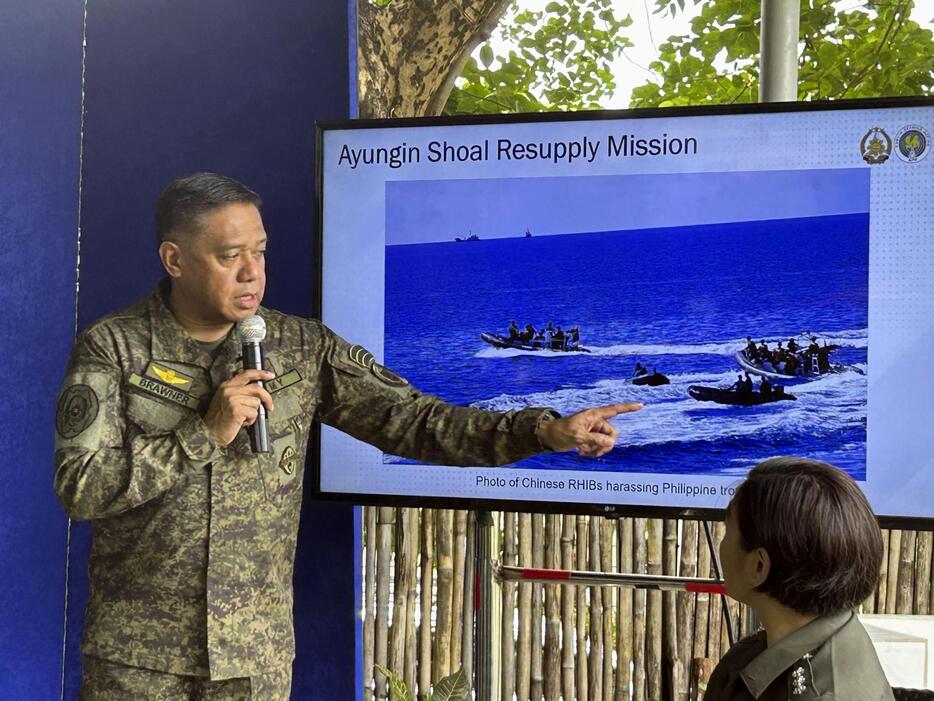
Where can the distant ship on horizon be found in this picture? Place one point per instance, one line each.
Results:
(470, 237)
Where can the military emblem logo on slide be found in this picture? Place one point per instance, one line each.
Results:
(876, 146)
(77, 409)
(912, 143)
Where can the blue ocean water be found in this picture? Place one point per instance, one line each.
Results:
(680, 299)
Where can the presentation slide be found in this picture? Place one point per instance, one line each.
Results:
(761, 280)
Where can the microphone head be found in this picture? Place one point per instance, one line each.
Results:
(252, 329)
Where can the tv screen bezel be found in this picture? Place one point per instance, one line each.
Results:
(313, 454)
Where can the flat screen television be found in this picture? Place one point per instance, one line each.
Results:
(760, 276)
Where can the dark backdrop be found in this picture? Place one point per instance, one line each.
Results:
(171, 87)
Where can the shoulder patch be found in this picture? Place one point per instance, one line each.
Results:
(387, 376)
(360, 356)
(77, 409)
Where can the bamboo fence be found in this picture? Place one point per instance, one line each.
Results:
(561, 641)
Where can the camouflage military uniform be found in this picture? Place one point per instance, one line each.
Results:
(194, 543)
(830, 658)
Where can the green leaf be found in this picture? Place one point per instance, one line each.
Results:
(486, 55)
(452, 688)
(398, 691)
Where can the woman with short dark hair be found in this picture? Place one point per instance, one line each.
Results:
(803, 549)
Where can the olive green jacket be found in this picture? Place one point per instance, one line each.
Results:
(831, 658)
(193, 543)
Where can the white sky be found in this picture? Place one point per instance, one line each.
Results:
(649, 30)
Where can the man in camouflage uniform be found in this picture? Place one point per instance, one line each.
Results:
(194, 535)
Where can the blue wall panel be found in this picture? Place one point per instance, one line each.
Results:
(40, 102)
(175, 87)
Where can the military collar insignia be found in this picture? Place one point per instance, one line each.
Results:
(801, 679)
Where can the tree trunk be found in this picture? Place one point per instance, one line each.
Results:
(457, 614)
(409, 52)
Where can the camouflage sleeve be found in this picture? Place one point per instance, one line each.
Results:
(371, 403)
(102, 467)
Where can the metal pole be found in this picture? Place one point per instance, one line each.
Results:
(488, 637)
(508, 573)
(778, 50)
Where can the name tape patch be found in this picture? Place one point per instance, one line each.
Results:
(282, 381)
(160, 390)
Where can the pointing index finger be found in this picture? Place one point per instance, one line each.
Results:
(611, 410)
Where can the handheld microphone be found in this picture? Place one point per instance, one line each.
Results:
(252, 331)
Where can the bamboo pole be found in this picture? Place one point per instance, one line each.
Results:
(470, 581)
(384, 556)
(923, 580)
(583, 678)
(882, 591)
(567, 609)
(624, 615)
(609, 606)
(552, 662)
(538, 561)
(701, 669)
(400, 593)
(685, 603)
(904, 598)
(411, 596)
(702, 601)
(653, 639)
(596, 615)
(457, 596)
(671, 661)
(638, 612)
(716, 607)
(891, 587)
(508, 593)
(524, 661)
(445, 558)
(426, 600)
(369, 621)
